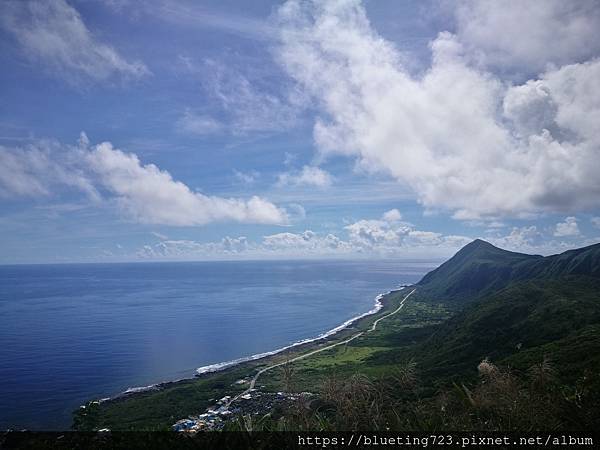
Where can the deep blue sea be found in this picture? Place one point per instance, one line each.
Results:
(69, 333)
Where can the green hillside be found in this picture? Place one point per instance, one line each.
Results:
(479, 269)
(534, 320)
(582, 261)
(521, 323)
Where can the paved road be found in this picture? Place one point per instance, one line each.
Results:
(306, 355)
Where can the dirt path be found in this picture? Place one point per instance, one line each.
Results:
(306, 355)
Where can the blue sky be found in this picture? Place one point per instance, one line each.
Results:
(184, 130)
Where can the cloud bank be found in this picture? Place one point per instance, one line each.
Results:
(386, 237)
(465, 138)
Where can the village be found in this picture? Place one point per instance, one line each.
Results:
(228, 409)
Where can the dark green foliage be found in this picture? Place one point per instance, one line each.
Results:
(524, 317)
(479, 269)
(476, 268)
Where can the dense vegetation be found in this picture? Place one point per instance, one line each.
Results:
(491, 340)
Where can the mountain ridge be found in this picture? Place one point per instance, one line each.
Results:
(480, 267)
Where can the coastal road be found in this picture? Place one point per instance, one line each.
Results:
(306, 355)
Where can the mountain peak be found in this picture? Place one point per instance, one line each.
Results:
(479, 243)
(475, 267)
(480, 266)
(480, 248)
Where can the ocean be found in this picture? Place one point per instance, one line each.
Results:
(74, 332)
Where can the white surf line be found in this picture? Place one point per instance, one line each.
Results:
(393, 312)
(306, 355)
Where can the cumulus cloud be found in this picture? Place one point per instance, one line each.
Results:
(54, 34)
(393, 215)
(305, 243)
(520, 239)
(374, 233)
(527, 36)
(462, 137)
(308, 176)
(383, 237)
(143, 191)
(390, 235)
(365, 238)
(533, 240)
(568, 228)
(151, 195)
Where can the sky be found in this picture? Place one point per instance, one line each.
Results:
(158, 130)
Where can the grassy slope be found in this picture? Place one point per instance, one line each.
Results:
(480, 269)
(518, 326)
(476, 269)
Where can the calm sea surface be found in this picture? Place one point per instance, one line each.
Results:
(69, 333)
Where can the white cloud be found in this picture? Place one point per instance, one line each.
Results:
(198, 124)
(529, 35)
(150, 195)
(296, 212)
(595, 221)
(372, 233)
(249, 105)
(461, 137)
(532, 240)
(277, 245)
(390, 235)
(246, 177)
(305, 243)
(363, 238)
(144, 192)
(19, 172)
(38, 169)
(174, 249)
(195, 15)
(568, 228)
(393, 215)
(520, 239)
(54, 34)
(308, 176)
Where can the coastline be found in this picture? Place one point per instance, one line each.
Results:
(205, 371)
(212, 368)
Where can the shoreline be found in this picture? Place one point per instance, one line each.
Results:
(210, 369)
